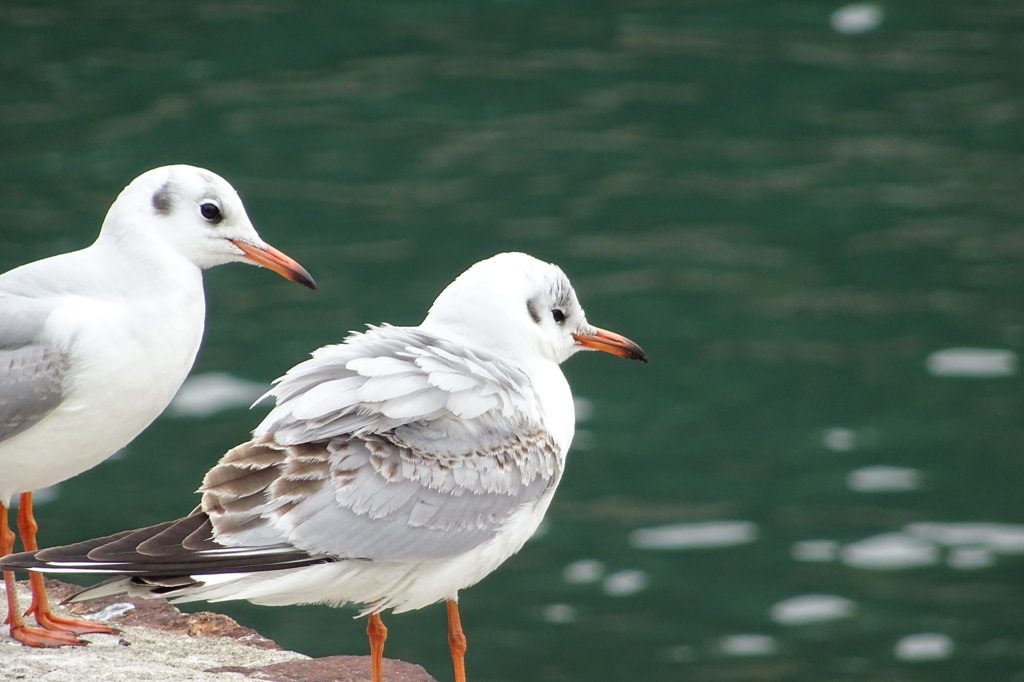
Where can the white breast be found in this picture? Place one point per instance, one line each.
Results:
(128, 357)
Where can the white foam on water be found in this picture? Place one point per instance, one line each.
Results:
(625, 583)
(749, 644)
(204, 395)
(970, 558)
(890, 551)
(1001, 538)
(857, 18)
(584, 408)
(839, 439)
(583, 571)
(812, 608)
(705, 535)
(559, 614)
(883, 479)
(974, 363)
(924, 646)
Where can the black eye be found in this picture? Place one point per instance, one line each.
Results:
(558, 315)
(211, 212)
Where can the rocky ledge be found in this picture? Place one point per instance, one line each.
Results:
(158, 642)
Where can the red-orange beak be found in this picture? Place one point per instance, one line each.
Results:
(610, 342)
(271, 258)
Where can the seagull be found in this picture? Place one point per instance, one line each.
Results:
(94, 344)
(395, 469)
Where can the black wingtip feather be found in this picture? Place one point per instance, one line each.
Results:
(164, 557)
(22, 561)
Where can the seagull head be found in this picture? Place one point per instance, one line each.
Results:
(196, 214)
(521, 308)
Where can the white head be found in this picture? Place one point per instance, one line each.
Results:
(519, 308)
(195, 213)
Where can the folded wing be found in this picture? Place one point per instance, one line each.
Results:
(394, 446)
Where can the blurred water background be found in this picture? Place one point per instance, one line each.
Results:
(808, 213)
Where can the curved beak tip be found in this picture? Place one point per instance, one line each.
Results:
(272, 259)
(613, 343)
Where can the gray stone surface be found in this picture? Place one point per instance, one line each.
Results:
(157, 642)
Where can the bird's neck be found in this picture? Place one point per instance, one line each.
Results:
(555, 399)
(147, 267)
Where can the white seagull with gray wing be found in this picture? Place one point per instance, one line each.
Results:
(396, 468)
(95, 343)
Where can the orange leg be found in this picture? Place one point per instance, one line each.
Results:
(457, 641)
(377, 633)
(40, 602)
(19, 631)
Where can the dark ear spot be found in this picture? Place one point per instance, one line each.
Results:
(531, 307)
(162, 199)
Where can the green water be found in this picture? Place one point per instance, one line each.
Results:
(790, 219)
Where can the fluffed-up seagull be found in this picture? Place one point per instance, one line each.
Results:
(396, 468)
(95, 343)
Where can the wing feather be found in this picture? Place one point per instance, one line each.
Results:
(389, 376)
(381, 500)
(322, 398)
(31, 386)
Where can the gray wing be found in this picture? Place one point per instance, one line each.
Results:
(31, 373)
(374, 498)
(395, 445)
(392, 376)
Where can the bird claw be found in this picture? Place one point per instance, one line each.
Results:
(38, 637)
(73, 626)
